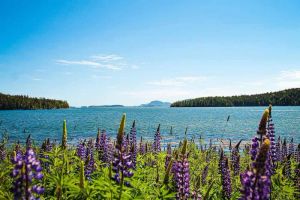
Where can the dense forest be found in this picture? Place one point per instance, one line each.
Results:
(22, 102)
(289, 97)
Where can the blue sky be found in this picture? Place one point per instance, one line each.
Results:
(131, 52)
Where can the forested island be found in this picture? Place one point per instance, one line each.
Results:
(289, 97)
(23, 102)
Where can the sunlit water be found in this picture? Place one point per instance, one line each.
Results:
(208, 122)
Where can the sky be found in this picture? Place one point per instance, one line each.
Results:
(131, 52)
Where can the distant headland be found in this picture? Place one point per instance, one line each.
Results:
(23, 102)
(156, 103)
(288, 97)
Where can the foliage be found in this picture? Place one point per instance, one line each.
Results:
(15, 102)
(290, 97)
(65, 177)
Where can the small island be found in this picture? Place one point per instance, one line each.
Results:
(23, 102)
(289, 97)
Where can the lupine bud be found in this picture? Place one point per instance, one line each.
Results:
(82, 178)
(64, 136)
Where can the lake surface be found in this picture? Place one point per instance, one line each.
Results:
(208, 122)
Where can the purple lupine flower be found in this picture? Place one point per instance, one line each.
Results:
(278, 150)
(26, 169)
(225, 176)
(256, 182)
(271, 137)
(133, 144)
(235, 159)
(142, 149)
(204, 174)
(298, 154)
(89, 166)
(81, 151)
(182, 174)
(156, 144)
(122, 162)
(103, 148)
(291, 150)
(168, 156)
(254, 147)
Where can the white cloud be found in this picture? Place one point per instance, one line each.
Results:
(81, 62)
(107, 58)
(111, 61)
(177, 81)
(289, 79)
(36, 79)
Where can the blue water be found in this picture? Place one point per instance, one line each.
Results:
(208, 122)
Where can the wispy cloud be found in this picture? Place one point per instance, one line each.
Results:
(289, 79)
(81, 62)
(107, 58)
(177, 81)
(110, 61)
(36, 79)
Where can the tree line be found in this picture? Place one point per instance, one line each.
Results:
(23, 102)
(289, 97)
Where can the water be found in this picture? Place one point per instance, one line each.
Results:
(208, 122)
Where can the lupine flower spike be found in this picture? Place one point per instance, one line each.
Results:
(133, 144)
(156, 144)
(235, 159)
(122, 162)
(64, 136)
(225, 176)
(255, 182)
(182, 174)
(26, 169)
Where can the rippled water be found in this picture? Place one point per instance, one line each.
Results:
(208, 122)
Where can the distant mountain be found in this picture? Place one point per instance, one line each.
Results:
(105, 106)
(289, 97)
(156, 104)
